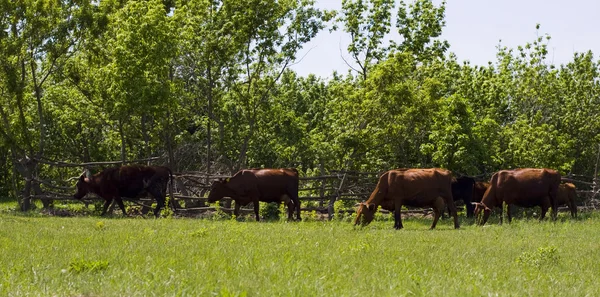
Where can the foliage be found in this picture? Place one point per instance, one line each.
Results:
(269, 211)
(208, 84)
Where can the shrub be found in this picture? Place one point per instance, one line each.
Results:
(269, 211)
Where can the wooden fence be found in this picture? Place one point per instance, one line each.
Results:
(317, 193)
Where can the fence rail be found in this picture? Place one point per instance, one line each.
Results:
(318, 193)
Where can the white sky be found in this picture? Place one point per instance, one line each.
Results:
(474, 28)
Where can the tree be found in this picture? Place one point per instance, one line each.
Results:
(367, 22)
(39, 37)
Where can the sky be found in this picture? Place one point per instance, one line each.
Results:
(474, 29)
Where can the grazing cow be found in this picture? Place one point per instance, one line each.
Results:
(566, 195)
(526, 187)
(478, 190)
(254, 185)
(131, 181)
(411, 187)
(462, 189)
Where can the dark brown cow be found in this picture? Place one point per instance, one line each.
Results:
(566, 195)
(254, 185)
(131, 181)
(411, 187)
(462, 189)
(526, 187)
(478, 190)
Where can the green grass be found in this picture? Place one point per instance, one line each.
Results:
(93, 256)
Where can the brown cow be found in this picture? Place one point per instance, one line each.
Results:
(566, 195)
(411, 187)
(254, 185)
(478, 190)
(526, 187)
(131, 181)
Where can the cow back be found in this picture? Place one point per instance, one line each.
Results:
(269, 184)
(413, 187)
(524, 187)
(131, 181)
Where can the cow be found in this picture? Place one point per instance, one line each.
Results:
(525, 187)
(255, 185)
(410, 187)
(462, 189)
(478, 190)
(130, 181)
(566, 195)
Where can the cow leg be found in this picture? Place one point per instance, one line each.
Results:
(470, 208)
(544, 210)
(554, 202)
(291, 206)
(105, 206)
(573, 208)
(397, 217)
(256, 205)
(160, 203)
(296, 202)
(236, 210)
(292, 193)
(509, 213)
(121, 206)
(438, 208)
(160, 198)
(453, 212)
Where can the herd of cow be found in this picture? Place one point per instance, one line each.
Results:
(436, 188)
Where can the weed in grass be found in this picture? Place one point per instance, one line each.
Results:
(81, 265)
(226, 293)
(202, 232)
(100, 225)
(543, 257)
(219, 213)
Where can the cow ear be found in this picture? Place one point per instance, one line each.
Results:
(371, 206)
(87, 179)
(88, 173)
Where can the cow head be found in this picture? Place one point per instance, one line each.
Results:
(365, 213)
(218, 190)
(479, 206)
(83, 185)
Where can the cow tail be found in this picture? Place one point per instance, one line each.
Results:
(171, 192)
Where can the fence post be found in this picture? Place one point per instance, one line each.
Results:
(330, 210)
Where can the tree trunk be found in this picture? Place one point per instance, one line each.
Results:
(42, 125)
(26, 166)
(144, 120)
(122, 140)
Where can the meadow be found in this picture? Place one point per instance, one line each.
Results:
(93, 256)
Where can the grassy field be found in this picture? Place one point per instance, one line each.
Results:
(93, 256)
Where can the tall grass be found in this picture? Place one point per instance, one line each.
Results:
(92, 256)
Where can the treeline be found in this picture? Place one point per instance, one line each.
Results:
(207, 84)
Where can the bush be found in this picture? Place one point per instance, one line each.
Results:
(269, 211)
